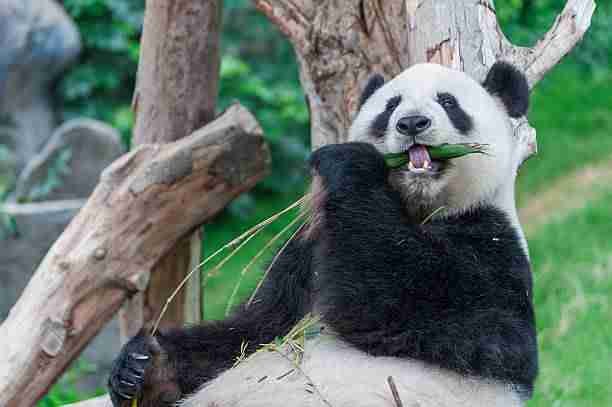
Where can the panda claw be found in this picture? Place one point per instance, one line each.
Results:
(123, 395)
(136, 374)
(139, 356)
(126, 383)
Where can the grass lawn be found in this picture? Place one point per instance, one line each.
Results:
(572, 263)
(572, 114)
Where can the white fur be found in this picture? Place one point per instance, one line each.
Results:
(345, 377)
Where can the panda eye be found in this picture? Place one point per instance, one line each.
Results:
(447, 101)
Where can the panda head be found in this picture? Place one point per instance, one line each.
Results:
(429, 105)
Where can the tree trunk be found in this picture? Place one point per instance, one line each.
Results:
(144, 204)
(176, 93)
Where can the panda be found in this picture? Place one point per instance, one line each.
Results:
(419, 277)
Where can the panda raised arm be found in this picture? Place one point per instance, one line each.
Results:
(420, 274)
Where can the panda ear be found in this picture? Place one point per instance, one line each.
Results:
(510, 85)
(375, 82)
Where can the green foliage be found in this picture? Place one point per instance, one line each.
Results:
(280, 109)
(263, 75)
(101, 84)
(7, 170)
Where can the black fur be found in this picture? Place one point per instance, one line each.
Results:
(197, 354)
(455, 293)
(381, 121)
(460, 119)
(510, 85)
(375, 82)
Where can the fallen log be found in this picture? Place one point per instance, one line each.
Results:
(145, 202)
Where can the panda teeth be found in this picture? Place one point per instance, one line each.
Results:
(412, 168)
(427, 165)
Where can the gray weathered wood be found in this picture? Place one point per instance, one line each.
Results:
(145, 202)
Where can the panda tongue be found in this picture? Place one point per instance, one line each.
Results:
(418, 155)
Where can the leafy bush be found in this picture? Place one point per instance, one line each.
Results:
(101, 84)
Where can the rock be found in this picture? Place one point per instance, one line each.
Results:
(69, 166)
(37, 42)
(55, 183)
(38, 226)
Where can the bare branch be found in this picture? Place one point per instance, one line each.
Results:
(568, 29)
(290, 16)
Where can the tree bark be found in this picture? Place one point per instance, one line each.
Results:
(145, 202)
(176, 93)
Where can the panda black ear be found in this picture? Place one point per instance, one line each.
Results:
(374, 83)
(510, 85)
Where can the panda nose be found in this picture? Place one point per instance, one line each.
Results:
(412, 125)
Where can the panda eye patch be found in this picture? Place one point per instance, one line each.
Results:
(447, 101)
(458, 117)
(379, 126)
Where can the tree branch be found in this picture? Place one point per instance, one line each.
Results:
(145, 202)
(568, 29)
(290, 16)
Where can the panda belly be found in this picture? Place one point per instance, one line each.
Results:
(345, 377)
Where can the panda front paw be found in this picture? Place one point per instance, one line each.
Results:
(342, 164)
(142, 371)
(127, 377)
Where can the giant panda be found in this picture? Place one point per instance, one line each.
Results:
(419, 277)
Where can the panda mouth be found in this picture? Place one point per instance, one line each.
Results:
(421, 163)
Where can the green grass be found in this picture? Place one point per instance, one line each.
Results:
(65, 391)
(219, 287)
(573, 118)
(572, 264)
